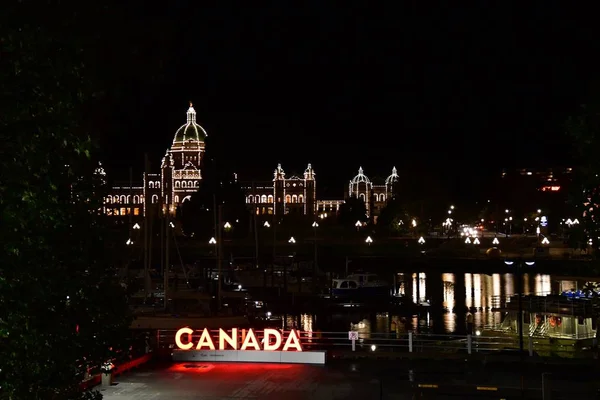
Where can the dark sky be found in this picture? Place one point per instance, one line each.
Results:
(455, 91)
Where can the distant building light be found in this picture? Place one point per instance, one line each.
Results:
(550, 188)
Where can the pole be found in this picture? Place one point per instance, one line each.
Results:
(167, 260)
(219, 254)
(520, 320)
(255, 240)
(130, 208)
(147, 204)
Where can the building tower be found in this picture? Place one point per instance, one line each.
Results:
(184, 160)
(391, 184)
(279, 191)
(361, 187)
(310, 192)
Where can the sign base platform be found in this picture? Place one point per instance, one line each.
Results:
(256, 356)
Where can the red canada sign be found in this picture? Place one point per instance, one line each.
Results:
(272, 340)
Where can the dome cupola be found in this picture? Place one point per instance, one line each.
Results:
(393, 178)
(191, 131)
(360, 178)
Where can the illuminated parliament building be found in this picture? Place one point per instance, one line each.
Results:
(180, 176)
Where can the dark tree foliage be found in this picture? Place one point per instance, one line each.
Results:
(584, 130)
(353, 209)
(61, 307)
(218, 187)
(393, 218)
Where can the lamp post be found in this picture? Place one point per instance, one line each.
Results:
(518, 272)
(315, 225)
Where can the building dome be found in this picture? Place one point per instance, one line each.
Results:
(393, 178)
(191, 130)
(361, 177)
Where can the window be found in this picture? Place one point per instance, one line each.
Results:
(136, 211)
(288, 198)
(270, 198)
(294, 199)
(154, 198)
(151, 185)
(300, 199)
(352, 284)
(344, 285)
(177, 184)
(257, 199)
(263, 198)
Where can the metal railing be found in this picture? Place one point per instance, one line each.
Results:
(411, 342)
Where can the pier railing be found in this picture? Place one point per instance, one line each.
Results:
(411, 342)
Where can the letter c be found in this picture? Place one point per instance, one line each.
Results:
(178, 342)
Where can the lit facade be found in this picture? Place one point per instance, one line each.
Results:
(179, 176)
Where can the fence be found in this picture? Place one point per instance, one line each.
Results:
(392, 344)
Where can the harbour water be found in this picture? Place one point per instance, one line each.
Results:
(446, 299)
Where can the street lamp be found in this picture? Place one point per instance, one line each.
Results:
(212, 241)
(315, 225)
(266, 224)
(227, 225)
(495, 241)
(292, 240)
(136, 226)
(368, 240)
(518, 272)
(421, 240)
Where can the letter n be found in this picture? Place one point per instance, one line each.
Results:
(231, 340)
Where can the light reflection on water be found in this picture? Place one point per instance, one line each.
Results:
(482, 293)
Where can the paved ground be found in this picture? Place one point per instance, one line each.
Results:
(344, 380)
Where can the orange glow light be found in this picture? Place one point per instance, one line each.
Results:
(272, 339)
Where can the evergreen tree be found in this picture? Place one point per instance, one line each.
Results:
(61, 307)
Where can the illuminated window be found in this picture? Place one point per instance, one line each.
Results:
(151, 185)
(136, 211)
(270, 210)
(263, 198)
(157, 185)
(288, 198)
(183, 184)
(177, 184)
(270, 198)
(294, 199)
(300, 199)
(257, 199)
(176, 199)
(123, 211)
(154, 198)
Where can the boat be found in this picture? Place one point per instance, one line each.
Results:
(360, 285)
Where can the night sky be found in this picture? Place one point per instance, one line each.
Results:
(456, 92)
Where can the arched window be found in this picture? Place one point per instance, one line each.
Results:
(128, 199)
(362, 196)
(263, 198)
(288, 198)
(109, 199)
(157, 185)
(382, 197)
(177, 184)
(183, 184)
(190, 184)
(176, 199)
(123, 199)
(257, 199)
(294, 198)
(136, 199)
(270, 198)
(249, 199)
(197, 184)
(300, 198)
(151, 185)
(154, 198)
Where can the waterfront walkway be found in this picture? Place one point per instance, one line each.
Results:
(345, 379)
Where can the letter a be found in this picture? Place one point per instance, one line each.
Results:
(278, 339)
(250, 341)
(292, 342)
(205, 340)
(178, 341)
